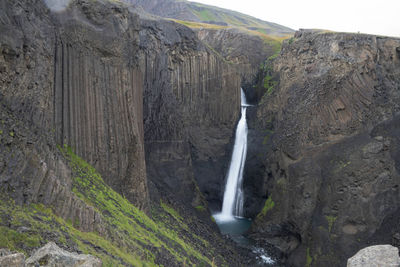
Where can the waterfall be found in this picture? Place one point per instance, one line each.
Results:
(233, 196)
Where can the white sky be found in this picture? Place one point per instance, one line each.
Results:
(380, 17)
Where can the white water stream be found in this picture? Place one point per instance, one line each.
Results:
(232, 204)
(230, 221)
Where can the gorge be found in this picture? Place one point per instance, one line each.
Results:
(123, 129)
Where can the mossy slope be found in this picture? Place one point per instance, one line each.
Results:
(129, 237)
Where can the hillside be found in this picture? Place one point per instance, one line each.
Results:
(196, 12)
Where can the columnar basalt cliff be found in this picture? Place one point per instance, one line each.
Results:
(245, 49)
(68, 78)
(73, 84)
(189, 93)
(328, 143)
(191, 80)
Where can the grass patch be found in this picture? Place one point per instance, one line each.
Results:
(200, 208)
(269, 204)
(204, 14)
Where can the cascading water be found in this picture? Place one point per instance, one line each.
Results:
(230, 221)
(232, 204)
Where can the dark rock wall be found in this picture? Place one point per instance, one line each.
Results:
(71, 76)
(329, 146)
(247, 51)
(82, 74)
(189, 110)
(98, 94)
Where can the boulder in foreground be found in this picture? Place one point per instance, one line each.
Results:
(380, 255)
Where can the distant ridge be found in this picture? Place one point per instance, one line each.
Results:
(191, 11)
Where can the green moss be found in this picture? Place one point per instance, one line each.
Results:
(15, 240)
(268, 83)
(129, 237)
(309, 259)
(1, 131)
(133, 230)
(331, 220)
(198, 25)
(200, 208)
(269, 204)
(11, 134)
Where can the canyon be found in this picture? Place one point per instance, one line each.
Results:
(118, 121)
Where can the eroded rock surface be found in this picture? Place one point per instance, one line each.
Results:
(326, 141)
(51, 255)
(109, 84)
(12, 260)
(380, 255)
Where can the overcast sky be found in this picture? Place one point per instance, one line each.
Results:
(380, 17)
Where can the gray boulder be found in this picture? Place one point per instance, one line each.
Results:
(52, 256)
(12, 260)
(381, 255)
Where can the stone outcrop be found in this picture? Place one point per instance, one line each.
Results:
(326, 141)
(380, 255)
(51, 255)
(9, 259)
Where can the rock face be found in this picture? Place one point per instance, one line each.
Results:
(189, 114)
(326, 141)
(71, 76)
(52, 256)
(49, 255)
(245, 50)
(12, 260)
(192, 82)
(94, 77)
(381, 255)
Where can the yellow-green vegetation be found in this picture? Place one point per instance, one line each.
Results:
(199, 25)
(204, 14)
(331, 220)
(129, 237)
(28, 227)
(16, 237)
(274, 41)
(131, 230)
(268, 82)
(208, 13)
(269, 204)
(308, 258)
(200, 208)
